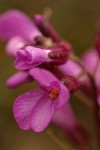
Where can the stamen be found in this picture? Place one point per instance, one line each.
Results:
(54, 93)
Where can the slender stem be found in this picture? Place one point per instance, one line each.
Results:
(61, 144)
(84, 99)
(56, 139)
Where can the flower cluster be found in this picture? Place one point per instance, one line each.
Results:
(42, 56)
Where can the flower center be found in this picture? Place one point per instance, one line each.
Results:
(54, 93)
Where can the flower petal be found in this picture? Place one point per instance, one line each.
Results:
(24, 106)
(18, 79)
(30, 57)
(64, 112)
(90, 59)
(64, 96)
(42, 76)
(42, 114)
(14, 44)
(15, 23)
(70, 67)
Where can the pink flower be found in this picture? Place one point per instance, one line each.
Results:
(18, 30)
(73, 69)
(14, 44)
(31, 56)
(18, 79)
(36, 108)
(15, 25)
(90, 60)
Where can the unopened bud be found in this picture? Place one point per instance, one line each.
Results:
(46, 28)
(71, 82)
(58, 55)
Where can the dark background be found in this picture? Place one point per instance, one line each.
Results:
(75, 21)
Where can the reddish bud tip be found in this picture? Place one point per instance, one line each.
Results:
(71, 82)
(58, 54)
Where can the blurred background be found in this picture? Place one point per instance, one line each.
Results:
(75, 21)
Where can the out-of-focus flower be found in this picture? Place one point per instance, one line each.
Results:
(18, 79)
(65, 119)
(36, 108)
(18, 30)
(90, 60)
(15, 23)
(14, 44)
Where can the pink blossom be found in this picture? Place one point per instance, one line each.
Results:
(18, 30)
(36, 108)
(14, 24)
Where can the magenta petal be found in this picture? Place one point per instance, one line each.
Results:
(70, 67)
(42, 114)
(90, 59)
(14, 44)
(64, 117)
(42, 76)
(30, 57)
(18, 79)
(24, 106)
(15, 23)
(64, 97)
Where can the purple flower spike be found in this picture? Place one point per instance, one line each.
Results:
(30, 57)
(15, 23)
(65, 119)
(36, 108)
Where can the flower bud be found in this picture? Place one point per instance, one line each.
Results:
(46, 28)
(71, 82)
